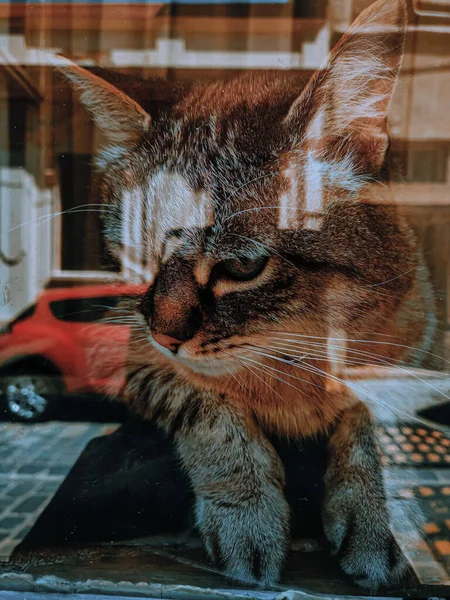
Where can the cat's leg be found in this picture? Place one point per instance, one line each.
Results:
(355, 513)
(238, 480)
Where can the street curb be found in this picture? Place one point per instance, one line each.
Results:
(48, 584)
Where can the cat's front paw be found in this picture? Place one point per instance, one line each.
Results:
(356, 523)
(247, 538)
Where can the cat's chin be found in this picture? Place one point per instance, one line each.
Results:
(202, 369)
(212, 368)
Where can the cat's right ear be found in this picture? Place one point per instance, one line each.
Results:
(121, 119)
(343, 110)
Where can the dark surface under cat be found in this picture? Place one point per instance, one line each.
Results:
(130, 484)
(124, 514)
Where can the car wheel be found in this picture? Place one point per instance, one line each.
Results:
(30, 397)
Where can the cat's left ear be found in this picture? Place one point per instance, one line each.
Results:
(343, 110)
(120, 118)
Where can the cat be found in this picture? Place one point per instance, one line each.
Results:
(272, 249)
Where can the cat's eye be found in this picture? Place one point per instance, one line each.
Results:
(244, 268)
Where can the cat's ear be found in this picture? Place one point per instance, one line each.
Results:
(120, 118)
(346, 102)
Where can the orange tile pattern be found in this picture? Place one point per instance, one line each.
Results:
(426, 449)
(435, 503)
(418, 446)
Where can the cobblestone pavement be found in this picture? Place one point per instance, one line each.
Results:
(34, 460)
(418, 471)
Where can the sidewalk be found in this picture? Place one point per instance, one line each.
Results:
(34, 460)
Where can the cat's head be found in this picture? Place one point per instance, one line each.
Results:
(256, 205)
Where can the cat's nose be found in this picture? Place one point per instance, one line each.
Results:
(167, 341)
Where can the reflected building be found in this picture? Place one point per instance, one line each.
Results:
(47, 141)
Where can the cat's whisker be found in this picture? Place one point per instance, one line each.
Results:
(284, 361)
(376, 360)
(118, 321)
(323, 356)
(363, 341)
(295, 208)
(258, 368)
(370, 395)
(130, 324)
(320, 351)
(138, 328)
(74, 210)
(263, 367)
(277, 358)
(374, 285)
(123, 314)
(236, 190)
(349, 384)
(373, 397)
(234, 376)
(384, 362)
(305, 346)
(375, 292)
(284, 373)
(141, 340)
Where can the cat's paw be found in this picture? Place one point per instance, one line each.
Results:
(248, 539)
(357, 526)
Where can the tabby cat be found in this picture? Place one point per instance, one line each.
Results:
(274, 255)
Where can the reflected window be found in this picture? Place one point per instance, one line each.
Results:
(90, 310)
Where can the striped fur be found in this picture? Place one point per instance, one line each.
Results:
(287, 172)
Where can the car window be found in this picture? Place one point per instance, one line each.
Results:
(109, 309)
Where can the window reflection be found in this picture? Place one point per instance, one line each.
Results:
(77, 468)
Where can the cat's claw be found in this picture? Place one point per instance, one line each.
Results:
(248, 540)
(361, 539)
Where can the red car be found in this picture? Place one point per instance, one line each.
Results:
(70, 341)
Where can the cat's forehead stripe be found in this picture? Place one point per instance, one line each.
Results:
(314, 193)
(175, 206)
(288, 217)
(179, 205)
(133, 247)
(302, 203)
